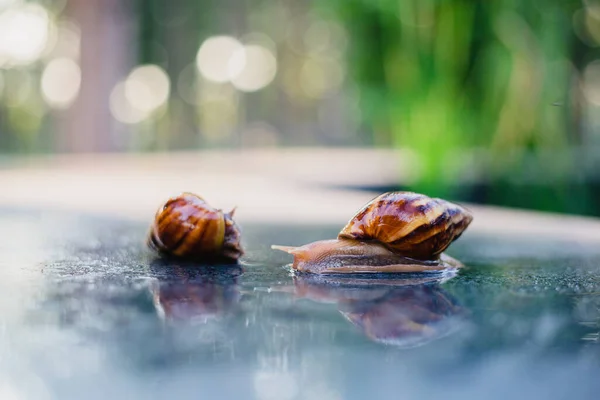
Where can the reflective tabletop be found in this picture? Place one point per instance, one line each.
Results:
(88, 312)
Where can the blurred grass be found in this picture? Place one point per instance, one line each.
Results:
(446, 78)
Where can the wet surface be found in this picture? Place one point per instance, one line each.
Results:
(88, 312)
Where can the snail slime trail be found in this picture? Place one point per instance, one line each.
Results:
(187, 227)
(395, 232)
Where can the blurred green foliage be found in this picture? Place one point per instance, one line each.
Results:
(481, 91)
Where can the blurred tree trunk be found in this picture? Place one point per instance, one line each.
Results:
(107, 54)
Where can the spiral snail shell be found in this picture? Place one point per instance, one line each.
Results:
(187, 227)
(395, 232)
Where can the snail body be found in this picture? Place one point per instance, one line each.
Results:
(187, 227)
(395, 232)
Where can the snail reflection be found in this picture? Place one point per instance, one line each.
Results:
(402, 312)
(182, 292)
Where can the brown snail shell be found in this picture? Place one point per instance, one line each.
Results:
(395, 232)
(409, 223)
(187, 227)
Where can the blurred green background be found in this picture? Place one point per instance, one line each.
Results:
(495, 101)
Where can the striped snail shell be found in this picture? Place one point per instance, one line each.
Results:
(187, 227)
(409, 223)
(395, 232)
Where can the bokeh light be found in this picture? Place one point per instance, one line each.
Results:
(68, 41)
(317, 36)
(325, 37)
(249, 67)
(259, 68)
(121, 109)
(147, 88)
(592, 25)
(24, 31)
(60, 82)
(320, 76)
(6, 3)
(593, 7)
(214, 58)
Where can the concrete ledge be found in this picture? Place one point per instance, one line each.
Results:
(269, 186)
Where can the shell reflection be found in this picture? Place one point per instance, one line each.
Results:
(191, 294)
(401, 312)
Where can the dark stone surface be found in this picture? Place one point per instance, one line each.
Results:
(88, 312)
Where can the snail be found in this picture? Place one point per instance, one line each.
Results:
(187, 227)
(395, 232)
